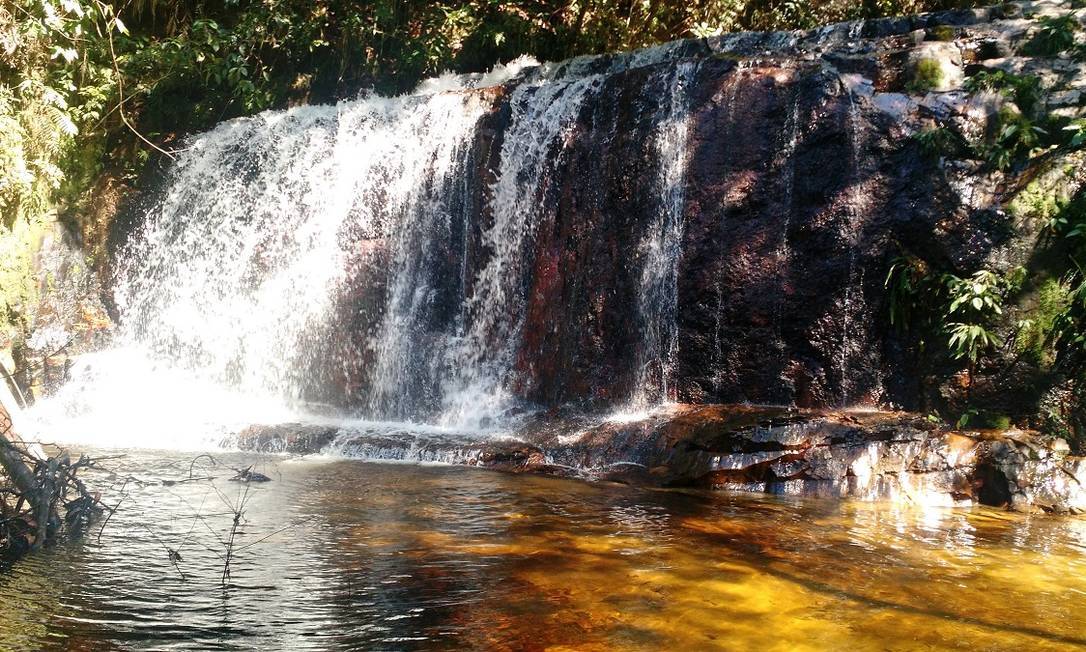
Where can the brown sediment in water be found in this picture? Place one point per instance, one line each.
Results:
(410, 557)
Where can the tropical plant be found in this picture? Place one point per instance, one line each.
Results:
(1076, 133)
(1017, 139)
(976, 302)
(936, 142)
(979, 295)
(970, 341)
(910, 288)
(1056, 35)
(1023, 90)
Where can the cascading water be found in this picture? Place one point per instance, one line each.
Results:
(542, 115)
(495, 251)
(661, 248)
(227, 292)
(853, 308)
(371, 259)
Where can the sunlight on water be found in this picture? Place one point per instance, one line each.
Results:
(346, 555)
(500, 74)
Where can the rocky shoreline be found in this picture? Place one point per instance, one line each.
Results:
(867, 455)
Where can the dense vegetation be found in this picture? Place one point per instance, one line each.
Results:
(1033, 316)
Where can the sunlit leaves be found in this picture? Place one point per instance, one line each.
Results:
(970, 340)
(1077, 132)
(979, 294)
(961, 310)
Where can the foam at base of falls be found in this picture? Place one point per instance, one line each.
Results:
(124, 398)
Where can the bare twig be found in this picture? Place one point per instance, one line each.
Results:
(110, 26)
(113, 510)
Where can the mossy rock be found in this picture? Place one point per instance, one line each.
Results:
(927, 76)
(1033, 340)
(941, 33)
(934, 66)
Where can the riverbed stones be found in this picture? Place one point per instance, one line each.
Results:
(867, 455)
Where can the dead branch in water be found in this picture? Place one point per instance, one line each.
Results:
(238, 509)
(46, 495)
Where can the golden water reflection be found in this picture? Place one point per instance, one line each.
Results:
(404, 557)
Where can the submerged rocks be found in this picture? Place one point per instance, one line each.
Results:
(867, 455)
(391, 442)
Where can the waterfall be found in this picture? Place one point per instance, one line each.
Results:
(490, 249)
(371, 259)
(661, 248)
(542, 117)
(236, 272)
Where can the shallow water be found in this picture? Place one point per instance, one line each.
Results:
(338, 554)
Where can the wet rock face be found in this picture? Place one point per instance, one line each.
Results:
(865, 455)
(802, 184)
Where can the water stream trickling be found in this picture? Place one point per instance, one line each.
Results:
(852, 308)
(661, 248)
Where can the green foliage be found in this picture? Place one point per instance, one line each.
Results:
(979, 295)
(927, 75)
(1023, 90)
(970, 341)
(1069, 326)
(1069, 219)
(1017, 138)
(976, 418)
(53, 88)
(1044, 199)
(1069, 329)
(959, 311)
(965, 419)
(1075, 134)
(1057, 34)
(1035, 332)
(912, 289)
(936, 142)
(976, 301)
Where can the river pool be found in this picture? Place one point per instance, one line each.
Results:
(338, 554)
